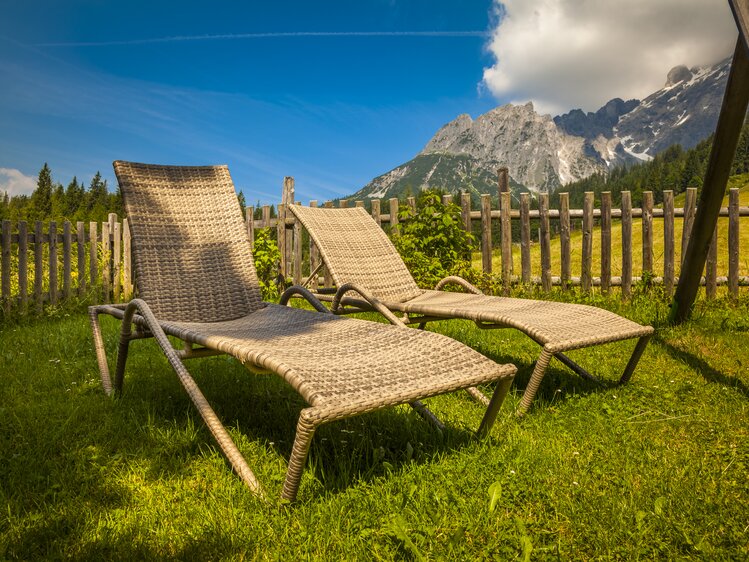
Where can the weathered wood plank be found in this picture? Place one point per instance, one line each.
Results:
(343, 203)
(106, 271)
(411, 202)
(376, 211)
(647, 232)
(626, 243)
(127, 263)
(23, 265)
(67, 255)
(116, 261)
(6, 266)
(503, 180)
(486, 233)
(249, 219)
(586, 276)
(525, 238)
(93, 254)
(266, 216)
(711, 266)
(506, 234)
(53, 262)
(605, 241)
(359, 203)
(38, 265)
(564, 238)
(465, 210)
(394, 228)
(447, 199)
(545, 240)
(80, 247)
(733, 242)
(297, 251)
(668, 241)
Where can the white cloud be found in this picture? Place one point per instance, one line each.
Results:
(15, 182)
(565, 54)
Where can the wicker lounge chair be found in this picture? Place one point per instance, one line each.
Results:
(197, 282)
(361, 259)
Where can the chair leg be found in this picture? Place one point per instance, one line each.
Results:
(490, 416)
(304, 431)
(427, 414)
(101, 354)
(538, 374)
(634, 359)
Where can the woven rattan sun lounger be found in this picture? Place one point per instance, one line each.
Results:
(197, 282)
(362, 259)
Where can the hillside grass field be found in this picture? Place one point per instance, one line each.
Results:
(658, 468)
(741, 182)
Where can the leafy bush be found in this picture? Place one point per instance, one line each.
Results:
(267, 259)
(432, 241)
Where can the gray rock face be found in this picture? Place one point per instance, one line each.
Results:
(543, 153)
(683, 112)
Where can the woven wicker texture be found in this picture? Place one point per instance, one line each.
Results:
(189, 242)
(558, 327)
(358, 253)
(342, 366)
(194, 266)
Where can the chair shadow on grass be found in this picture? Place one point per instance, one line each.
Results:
(702, 367)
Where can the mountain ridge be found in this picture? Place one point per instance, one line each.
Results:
(544, 152)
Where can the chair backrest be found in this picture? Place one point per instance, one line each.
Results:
(191, 253)
(356, 250)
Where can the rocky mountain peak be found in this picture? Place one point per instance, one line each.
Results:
(677, 74)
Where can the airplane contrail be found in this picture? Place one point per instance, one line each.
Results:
(272, 34)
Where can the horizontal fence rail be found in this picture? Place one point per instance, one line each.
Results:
(495, 228)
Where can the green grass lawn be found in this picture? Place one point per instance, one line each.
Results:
(655, 469)
(576, 244)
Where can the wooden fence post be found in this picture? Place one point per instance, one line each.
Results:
(733, 242)
(711, 266)
(605, 241)
(80, 244)
(106, 274)
(486, 233)
(266, 216)
(38, 265)
(506, 233)
(525, 237)
(647, 232)
(5, 273)
(465, 210)
(23, 264)
(394, 228)
(545, 240)
(564, 238)
(668, 241)
(586, 278)
(53, 262)
(67, 245)
(626, 243)
(93, 254)
(376, 211)
(297, 250)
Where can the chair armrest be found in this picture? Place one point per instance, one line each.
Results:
(454, 279)
(373, 302)
(304, 293)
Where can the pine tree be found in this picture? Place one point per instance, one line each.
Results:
(74, 195)
(41, 199)
(4, 206)
(58, 204)
(242, 200)
(97, 200)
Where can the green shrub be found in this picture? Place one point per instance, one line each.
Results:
(267, 259)
(432, 241)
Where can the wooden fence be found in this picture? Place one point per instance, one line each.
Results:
(52, 263)
(490, 220)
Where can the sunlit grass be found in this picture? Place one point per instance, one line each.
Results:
(658, 469)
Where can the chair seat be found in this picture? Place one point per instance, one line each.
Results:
(562, 325)
(343, 366)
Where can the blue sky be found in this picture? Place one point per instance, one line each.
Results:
(331, 92)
